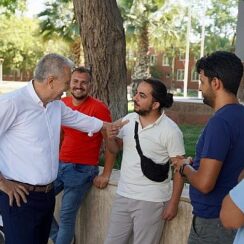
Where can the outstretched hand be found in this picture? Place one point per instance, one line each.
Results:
(113, 128)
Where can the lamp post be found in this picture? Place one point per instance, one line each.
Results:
(202, 40)
(1, 70)
(187, 49)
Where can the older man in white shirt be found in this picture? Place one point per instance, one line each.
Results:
(31, 118)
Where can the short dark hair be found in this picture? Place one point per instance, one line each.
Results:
(159, 92)
(223, 65)
(82, 69)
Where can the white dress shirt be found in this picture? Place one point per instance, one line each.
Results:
(30, 135)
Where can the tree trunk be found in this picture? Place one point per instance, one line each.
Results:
(75, 48)
(141, 69)
(103, 39)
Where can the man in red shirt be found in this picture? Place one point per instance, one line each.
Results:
(79, 157)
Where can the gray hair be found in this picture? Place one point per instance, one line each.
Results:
(51, 64)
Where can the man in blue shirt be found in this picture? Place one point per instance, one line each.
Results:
(218, 161)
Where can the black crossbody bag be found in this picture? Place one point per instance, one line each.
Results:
(153, 171)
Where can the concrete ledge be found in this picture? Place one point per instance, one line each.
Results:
(93, 217)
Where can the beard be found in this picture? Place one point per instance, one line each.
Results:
(208, 98)
(80, 97)
(207, 101)
(142, 112)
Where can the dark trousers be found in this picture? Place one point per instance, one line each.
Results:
(30, 223)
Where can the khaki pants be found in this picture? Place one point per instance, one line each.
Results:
(140, 218)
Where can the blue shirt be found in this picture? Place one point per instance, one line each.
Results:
(222, 139)
(236, 194)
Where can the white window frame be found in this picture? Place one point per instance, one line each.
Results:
(166, 60)
(152, 60)
(182, 56)
(180, 74)
(194, 76)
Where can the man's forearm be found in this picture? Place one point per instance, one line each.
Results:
(109, 159)
(112, 145)
(178, 184)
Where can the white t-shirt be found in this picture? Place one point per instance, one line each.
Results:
(159, 141)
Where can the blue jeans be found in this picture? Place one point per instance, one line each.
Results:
(75, 180)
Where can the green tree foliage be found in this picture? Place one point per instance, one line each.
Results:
(9, 7)
(155, 23)
(57, 22)
(221, 32)
(21, 46)
(220, 29)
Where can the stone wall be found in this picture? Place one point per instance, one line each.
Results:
(93, 217)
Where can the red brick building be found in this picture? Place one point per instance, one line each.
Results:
(171, 70)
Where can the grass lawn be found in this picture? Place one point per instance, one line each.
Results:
(191, 134)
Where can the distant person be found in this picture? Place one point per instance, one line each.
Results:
(218, 160)
(232, 211)
(79, 157)
(31, 119)
(144, 200)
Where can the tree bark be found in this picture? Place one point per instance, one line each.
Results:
(141, 69)
(103, 40)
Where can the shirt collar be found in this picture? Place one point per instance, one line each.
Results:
(33, 94)
(156, 122)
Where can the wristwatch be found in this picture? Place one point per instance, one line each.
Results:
(182, 167)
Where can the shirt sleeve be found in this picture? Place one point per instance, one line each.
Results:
(217, 139)
(236, 194)
(80, 121)
(121, 131)
(175, 143)
(8, 114)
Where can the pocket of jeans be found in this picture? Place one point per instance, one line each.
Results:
(89, 171)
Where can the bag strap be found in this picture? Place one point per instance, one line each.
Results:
(138, 147)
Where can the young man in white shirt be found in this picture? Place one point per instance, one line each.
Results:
(142, 204)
